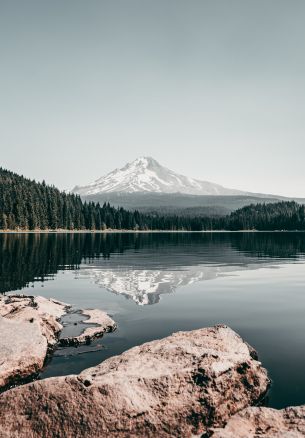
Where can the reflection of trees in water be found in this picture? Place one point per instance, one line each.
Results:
(274, 245)
(28, 257)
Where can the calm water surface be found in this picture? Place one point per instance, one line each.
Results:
(156, 284)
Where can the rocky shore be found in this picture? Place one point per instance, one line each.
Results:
(178, 386)
(202, 383)
(30, 328)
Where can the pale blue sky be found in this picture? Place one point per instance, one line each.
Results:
(210, 88)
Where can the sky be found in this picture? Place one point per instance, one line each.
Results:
(213, 89)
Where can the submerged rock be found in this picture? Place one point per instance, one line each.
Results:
(30, 327)
(266, 423)
(178, 386)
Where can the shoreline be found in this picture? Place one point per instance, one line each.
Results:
(109, 231)
(222, 384)
(214, 364)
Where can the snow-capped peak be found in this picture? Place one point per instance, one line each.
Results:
(146, 175)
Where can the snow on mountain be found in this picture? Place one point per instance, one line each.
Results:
(146, 175)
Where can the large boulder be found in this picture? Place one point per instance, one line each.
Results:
(265, 423)
(174, 387)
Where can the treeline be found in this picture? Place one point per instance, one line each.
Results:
(28, 205)
(267, 217)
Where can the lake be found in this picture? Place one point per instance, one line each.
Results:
(155, 284)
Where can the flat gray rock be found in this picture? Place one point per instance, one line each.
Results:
(30, 327)
(102, 324)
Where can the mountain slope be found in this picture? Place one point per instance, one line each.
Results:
(146, 175)
(177, 203)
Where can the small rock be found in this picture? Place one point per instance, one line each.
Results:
(103, 322)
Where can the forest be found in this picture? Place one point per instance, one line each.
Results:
(28, 205)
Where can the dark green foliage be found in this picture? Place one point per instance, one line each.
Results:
(28, 205)
(278, 216)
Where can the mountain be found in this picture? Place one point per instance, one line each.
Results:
(146, 175)
(147, 186)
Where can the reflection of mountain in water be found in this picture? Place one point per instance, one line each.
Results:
(145, 286)
(141, 266)
(142, 286)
